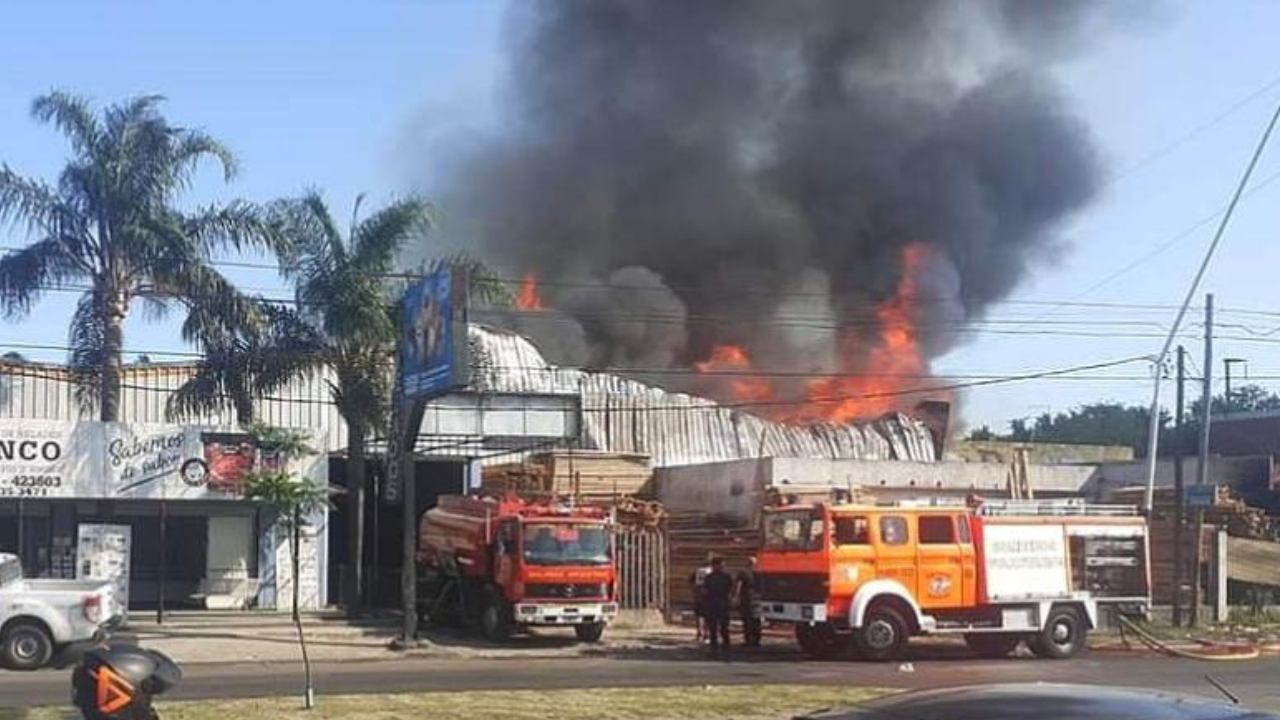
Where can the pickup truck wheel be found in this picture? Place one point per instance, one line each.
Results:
(495, 619)
(589, 632)
(26, 646)
(820, 641)
(992, 645)
(882, 635)
(1064, 635)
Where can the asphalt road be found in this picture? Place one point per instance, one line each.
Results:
(1256, 682)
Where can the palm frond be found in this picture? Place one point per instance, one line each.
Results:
(73, 115)
(26, 274)
(194, 146)
(26, 201)
(238, 225)
(382, 235)
(87, 339)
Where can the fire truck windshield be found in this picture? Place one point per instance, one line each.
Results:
(794, 530)
(565, 544)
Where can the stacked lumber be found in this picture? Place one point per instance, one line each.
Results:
(634, 512)
(585, 474)
(1229, 512)
(692, 538)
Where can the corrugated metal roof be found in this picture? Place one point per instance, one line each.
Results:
(619, 414)
(623, 415)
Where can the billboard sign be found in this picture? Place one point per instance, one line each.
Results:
(433, 343)
(65, 459)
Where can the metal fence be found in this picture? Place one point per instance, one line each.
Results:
(642, 568)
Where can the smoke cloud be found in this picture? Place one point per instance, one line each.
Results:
(752, 172)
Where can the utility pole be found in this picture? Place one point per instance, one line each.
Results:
(1179, 533)
(1202, 465)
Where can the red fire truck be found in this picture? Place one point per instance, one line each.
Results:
(507, 562)
(998, 573)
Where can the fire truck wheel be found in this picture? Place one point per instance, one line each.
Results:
(882, 635)
(589, 632)
(820, 641)
(1064, 635)
(992, 645)
(495, 618)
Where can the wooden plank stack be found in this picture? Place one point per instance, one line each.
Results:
(691, 538)
(1227, 511)
(591, 476)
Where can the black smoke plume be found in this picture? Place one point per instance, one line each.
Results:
(698, 172)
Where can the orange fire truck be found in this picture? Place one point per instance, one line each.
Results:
(508, 562)
(998, 573)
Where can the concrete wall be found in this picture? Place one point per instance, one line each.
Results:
(734, 488)
(1038, 453)
(737, 488)
(1247, 476)
(986, 478)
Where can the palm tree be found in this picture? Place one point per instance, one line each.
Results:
(110, 226)
(342, 321)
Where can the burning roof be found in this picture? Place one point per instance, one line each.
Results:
(673, 428)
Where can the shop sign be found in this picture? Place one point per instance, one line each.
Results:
(51, 459)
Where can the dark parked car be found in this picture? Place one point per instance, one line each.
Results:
(1043, 702)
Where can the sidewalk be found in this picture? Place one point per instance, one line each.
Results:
(271, 637)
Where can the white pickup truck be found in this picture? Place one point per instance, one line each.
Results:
(40, 617)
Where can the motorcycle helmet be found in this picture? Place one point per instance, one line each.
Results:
(118, 682)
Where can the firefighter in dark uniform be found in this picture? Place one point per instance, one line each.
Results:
(717, 593)
(744, 594)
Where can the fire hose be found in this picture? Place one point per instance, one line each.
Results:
(1228, 651)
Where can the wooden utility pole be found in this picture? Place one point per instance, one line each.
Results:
(1179, 533)
(1202, 465)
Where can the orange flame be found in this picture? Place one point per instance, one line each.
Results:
(733, 359)
(529, 298)
(875, 370)
(893, 364)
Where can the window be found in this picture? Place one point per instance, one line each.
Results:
(893, 530)
(507, 540)
(966, 535)
(937, 530)
(852, 531)
(794, 530)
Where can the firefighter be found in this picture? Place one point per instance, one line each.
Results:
(699, 610)
(744, 598)
(118, 682)
(717, 593)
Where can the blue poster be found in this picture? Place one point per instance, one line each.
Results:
(434, 332)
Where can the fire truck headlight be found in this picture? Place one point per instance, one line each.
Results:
(528, 609)
(806, 612)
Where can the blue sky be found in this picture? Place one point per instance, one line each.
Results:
(324, 94)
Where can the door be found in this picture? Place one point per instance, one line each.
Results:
(895, 549)
(506, 555)
(940, 583)
(968, 561)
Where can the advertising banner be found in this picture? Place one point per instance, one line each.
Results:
(62, 459)
(49, 459)
(433, 344)
(103, 554)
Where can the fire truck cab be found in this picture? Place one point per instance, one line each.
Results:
(998, 573)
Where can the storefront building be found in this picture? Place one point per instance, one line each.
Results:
(157, 507)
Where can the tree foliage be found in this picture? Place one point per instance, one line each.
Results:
(1127, 425)
(111, 227)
